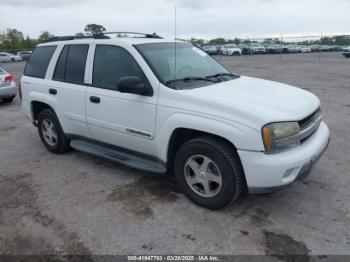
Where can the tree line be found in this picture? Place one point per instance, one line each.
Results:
(13, 39)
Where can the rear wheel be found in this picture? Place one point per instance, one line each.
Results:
(209, 172)
(51, 132)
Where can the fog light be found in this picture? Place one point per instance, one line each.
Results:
(288, 173)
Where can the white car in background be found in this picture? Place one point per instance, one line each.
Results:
(305, 49)
(256, 48)
(231, 49)
(8, 88)
(8, 57)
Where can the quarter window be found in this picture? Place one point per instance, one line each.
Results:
(112, 63)
(70, 65)
(39, 61)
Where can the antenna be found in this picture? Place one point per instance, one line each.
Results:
(175, 32)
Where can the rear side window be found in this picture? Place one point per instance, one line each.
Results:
(70, 65)
(39, 61)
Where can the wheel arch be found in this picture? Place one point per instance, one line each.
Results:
(37, 107)
(180, 136)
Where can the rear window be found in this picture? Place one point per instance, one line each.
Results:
(39, 61)
(70, 65)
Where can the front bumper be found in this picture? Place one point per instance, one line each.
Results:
(266, 173)
(8, 91)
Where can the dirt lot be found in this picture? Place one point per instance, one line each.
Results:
(78, 204)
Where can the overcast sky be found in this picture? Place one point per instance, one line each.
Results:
(197, 18)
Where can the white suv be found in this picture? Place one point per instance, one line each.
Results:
(130, 100)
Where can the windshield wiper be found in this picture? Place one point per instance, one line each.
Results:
(191, 78)
(220, 74)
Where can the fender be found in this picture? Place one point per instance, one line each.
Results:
(35, 96)
(244, 138)
(26, 105)
(52, 101)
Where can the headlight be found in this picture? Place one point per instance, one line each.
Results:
(277, 136)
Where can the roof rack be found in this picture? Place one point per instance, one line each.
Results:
(101, 36)
(154, 35)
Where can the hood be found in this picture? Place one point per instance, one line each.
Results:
(257, 101)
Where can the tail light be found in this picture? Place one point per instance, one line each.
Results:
(9, 79)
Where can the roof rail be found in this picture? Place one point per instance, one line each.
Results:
(154, 35)
(65, 38)
(99, 36)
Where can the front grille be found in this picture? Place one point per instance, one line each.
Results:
(309, 119)
(310, 124)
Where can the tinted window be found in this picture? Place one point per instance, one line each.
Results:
(61, 65)
(39, 61)
(111, 63)
(70, 66)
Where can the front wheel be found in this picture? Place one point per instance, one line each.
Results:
(209, 172)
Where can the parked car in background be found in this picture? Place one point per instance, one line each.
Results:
(24, 54)
(345, 48)
(336, 48)
(305, 49)
(291, 49)
(245, 49)
(325, 48)
(8, 87)
(315, 48)
(8, 57)
(347, 52)
(256, 48)
(231, 49)
(211, 49)
(274, 49)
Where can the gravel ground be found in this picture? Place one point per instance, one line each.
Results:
(79, 204)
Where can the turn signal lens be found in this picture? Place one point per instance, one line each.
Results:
(267, 136)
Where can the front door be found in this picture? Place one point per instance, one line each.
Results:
(121, 119)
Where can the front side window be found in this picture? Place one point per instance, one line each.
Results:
(39, 61)
(70, 65)
(112, 63)
(189, 67)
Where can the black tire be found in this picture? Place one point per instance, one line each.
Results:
(225, 158)
(13, 60)
(8, 100)
(62, 144)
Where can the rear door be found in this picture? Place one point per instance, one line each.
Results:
(67, 87)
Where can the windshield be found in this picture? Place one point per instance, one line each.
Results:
(191, 64)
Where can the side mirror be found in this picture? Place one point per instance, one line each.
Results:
(132, 85)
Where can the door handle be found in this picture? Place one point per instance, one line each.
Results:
(95, 99)
(52, 91)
